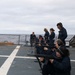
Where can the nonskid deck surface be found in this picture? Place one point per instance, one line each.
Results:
(14, 61)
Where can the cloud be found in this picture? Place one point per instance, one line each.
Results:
(35, 15)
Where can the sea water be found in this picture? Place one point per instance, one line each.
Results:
(21, 38)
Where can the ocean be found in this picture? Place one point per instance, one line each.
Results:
(20, 38)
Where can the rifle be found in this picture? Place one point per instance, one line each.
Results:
(42, 55)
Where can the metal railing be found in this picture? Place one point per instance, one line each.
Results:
(15, 38)
(22, 39)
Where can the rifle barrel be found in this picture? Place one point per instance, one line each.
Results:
(42, 55)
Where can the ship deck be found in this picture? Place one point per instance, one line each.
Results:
(14, 61)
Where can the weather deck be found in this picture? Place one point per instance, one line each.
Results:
(14, 61)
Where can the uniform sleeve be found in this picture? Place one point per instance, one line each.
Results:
(62, 65)
(64, 34)
(52, 36)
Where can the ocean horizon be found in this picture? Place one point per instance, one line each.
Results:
(22, 38)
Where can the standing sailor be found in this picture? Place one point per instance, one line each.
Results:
(32, 38)
(46, 35)
(62, 32)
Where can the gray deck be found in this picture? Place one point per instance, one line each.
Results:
(25, 66)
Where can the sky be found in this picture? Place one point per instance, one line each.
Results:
(26, 16)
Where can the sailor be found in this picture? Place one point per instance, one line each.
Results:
(50, 66)
(46, 35)
(62, 32)
(62, 66)
(51, 37)
(32, 38)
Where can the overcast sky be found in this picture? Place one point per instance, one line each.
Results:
(26, 16)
